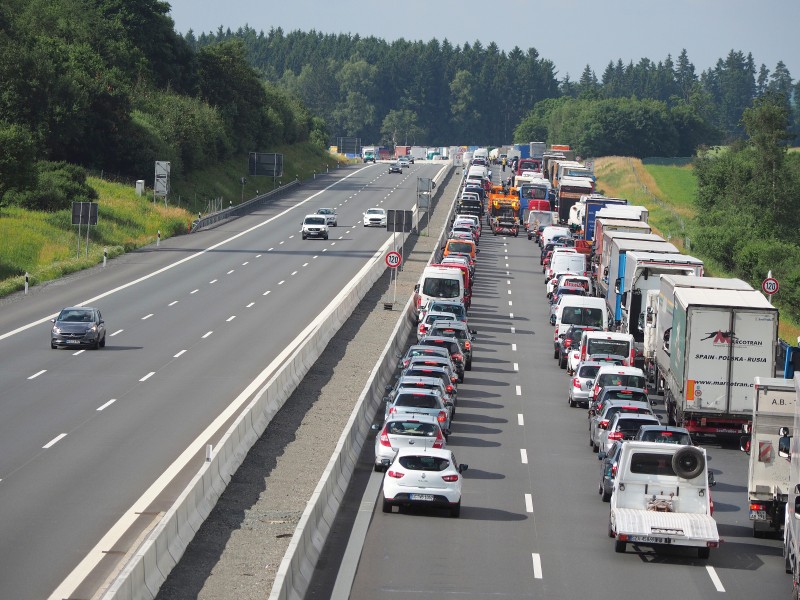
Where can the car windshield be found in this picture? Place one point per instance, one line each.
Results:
(652, 464)
(441, 288)
(600, 346)
(416, 401)
(75, 316)
(315, 221)
(667, 437)
(375, 211)
(424, 463)
(412, 428)
(582, 315)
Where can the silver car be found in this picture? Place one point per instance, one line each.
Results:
(330, 215)
(581, 383)
(600, 422)
(624, 427)
(423, 402)
(406, 431)
(78, 326)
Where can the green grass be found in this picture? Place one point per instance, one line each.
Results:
(46, 245)
(677, 184)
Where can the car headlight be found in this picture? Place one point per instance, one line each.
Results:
(56, 330)
(92, 329)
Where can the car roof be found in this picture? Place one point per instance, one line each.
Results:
(404, 416)
(616, 388)
(670, 428)
(417, 379)
(617, 402)
(416, 391)
(438, 452)
(635, 416)
(620, 370)
(456, 324)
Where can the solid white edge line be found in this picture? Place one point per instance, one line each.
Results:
(520, 420)
(107, 404)
(537, 566)
(54, 441)
(715, 578)
(112, 536)
(523, 456)
(94, 299)
(529, 503)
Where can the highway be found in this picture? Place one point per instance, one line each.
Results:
(532, 523)
(97, 444)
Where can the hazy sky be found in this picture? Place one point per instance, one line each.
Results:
(571, 33)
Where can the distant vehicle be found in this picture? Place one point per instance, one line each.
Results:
(429, 478)
(78, 326)
(395, 167)
(330, 215)
(404, 161)
(664, 434)
(375, 217)
(315, 226)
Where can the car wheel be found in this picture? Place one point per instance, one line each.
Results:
(703, 553)
(305, 236)
(606, 495)
(96, 345)
(570, 402)
(562, 361)
(326, 237)
(555, 353)
(53, 346)
(377, 468)
(620, 547)
(103, 342)
(461, 378)
(595, 447)
(469, 366)
(387, 507)
(455, 511)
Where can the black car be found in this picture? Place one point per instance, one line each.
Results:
(78, 326)
(570, 341)
(460, 331)
(395, 167)
(617, 392)
(433, 371)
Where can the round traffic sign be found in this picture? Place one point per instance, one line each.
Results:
(770, 286)
(393, 260)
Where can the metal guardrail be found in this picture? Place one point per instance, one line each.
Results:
(243, 208)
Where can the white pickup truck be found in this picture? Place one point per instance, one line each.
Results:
(661, 496)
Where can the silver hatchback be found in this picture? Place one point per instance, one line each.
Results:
(580, 384)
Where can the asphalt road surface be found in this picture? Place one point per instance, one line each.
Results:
(532, 522)
(88, 438)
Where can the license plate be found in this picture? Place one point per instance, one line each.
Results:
(73, 341)
(426, 497)
(758, 515)
(649, 539)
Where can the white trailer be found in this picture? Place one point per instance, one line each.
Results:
(768, 475)
(789, 448)
(719, 341)
(603, 259)
(658, 316)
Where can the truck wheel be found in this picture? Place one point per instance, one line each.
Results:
(562, 361)
(703, 553)
(620, 547)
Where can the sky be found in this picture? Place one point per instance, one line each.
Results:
(570, 33)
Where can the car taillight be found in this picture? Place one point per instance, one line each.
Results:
(422, 327)
(576, 383)
(633, 356)
(442, 416)
(567, 343)
(613, 470)
(615, 435)
(449, 389)
(439, 443)
(603, 424)
(392, 410)
(450, 478)
(395, 474)
(458, 356)
(467, 345)
(385, 439)
(595, 389)
(453, 378)
(757, 506)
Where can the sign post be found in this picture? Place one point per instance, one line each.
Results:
(393, 261)
(770, 286)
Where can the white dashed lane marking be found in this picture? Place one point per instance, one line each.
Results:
(715, 579)
(54, 441)
(523, 456)
(528, 503)
(35, 375)
(537, 566)
(106, 405)
(520, 420)
(207, 334)
(148, 376)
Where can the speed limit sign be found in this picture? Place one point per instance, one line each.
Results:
(770, 286)
(393, 260)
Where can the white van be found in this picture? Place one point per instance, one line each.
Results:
(579, 310)
(607, 342)
(566, 262)
(548, 233)
(439, 283)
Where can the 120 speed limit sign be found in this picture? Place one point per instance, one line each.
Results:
(393, 260)
(770, 286)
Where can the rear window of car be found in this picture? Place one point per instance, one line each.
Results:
(582, 315)
(433, 318)
(424, 463)
(630, 426)
(667, 437)
(451, 346)
(588, 371)
(417, 401)
(625, 395)
(449, 332)
(634, 381)
(456, 309)
(652, 464)
(411, 428)
(600, 346)
(613, 410)
(428, 373)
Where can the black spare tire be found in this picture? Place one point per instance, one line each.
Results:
(688, 462)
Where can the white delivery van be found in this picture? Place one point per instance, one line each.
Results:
(608, 342)
(579, 310)
(439, 283)
(566, 262)
(548, 233)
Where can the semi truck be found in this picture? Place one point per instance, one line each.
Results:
(604, 224)
(719, 341)
(613, 261)
(768, 479)
(594, 204)
(658, 316)
(640, 276)
(789, 449)
(570, 190)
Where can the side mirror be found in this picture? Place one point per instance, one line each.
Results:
(744, 443)
(552, 319)
(416, 287)
(388, 388)
(785, 446)
(386, 399)
(386, 462)
(601, 455)
(462, 468)
(375, 426)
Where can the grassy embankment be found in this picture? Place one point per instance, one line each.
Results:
(46, 245)
(668, 192)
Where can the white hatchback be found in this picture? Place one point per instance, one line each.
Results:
(423, 478)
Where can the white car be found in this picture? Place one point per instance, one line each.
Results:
(423, 478)
(407, 431)
(375, 217)
(315, 226)
(330, 215)
(404, 162)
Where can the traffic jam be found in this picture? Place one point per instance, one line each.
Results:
(611, 335)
